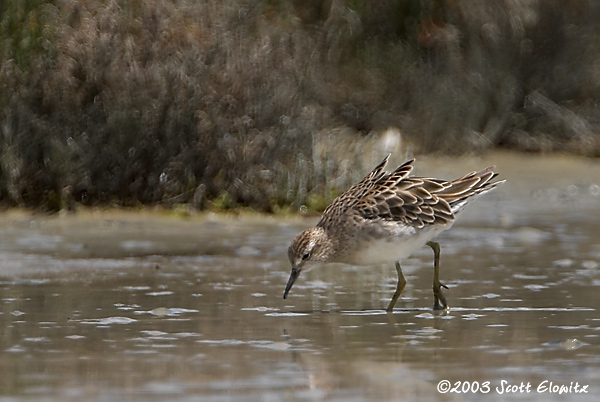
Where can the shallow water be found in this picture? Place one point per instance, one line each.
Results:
(140, 306)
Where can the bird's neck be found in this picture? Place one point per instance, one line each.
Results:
(328, 245)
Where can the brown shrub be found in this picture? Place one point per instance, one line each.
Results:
(251, 102)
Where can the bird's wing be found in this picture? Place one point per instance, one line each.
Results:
(350, 198)
(419, 201)
(374, 179)
(412, 201)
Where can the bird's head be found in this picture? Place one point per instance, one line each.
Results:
(308, 250)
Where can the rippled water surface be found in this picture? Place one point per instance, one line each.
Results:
(122, 306)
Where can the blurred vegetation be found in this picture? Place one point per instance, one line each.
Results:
(265, 103)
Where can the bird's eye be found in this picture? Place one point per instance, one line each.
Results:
(306, 256)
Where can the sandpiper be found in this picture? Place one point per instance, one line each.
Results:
(383, 219)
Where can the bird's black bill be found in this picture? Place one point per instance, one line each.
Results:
(293, 276)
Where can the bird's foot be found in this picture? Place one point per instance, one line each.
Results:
(440, 302)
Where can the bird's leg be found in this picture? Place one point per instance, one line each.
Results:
(399, 288)
(439, 299)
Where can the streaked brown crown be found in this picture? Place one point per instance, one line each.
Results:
(313, 245)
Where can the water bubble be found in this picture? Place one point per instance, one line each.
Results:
(472, 316)
(590, 264)
(109, 321)
(15, 349)
(290, 314)
(154, 333)
(425, 331)
(75, 337)
(260, 309)
(160, 293)
(247, 251)
(135, 288)
(37, 339)
(270, 345)
(166, 312)
(564, 262)
(564, 344)
(535, 288)
(186, 334)
(595, 190)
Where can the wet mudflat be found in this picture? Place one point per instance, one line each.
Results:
(123, 306)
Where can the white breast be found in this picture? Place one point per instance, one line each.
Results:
(392, 249)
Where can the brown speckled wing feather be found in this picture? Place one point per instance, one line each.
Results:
(470, 184)
(412, 201)
(418, 201)
(350, 198)
(415, 201)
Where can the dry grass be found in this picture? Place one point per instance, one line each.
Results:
(263, 103)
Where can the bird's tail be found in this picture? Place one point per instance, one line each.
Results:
(465, 189)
